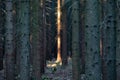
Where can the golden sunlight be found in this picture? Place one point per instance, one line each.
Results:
(58, 32)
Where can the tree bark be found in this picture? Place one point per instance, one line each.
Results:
(9, 44)
(92, 40)
(118, 40)
(35, 33)
(24, 24)
(109, 41)
(75, 17)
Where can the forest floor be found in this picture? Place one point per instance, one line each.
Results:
(54, 71)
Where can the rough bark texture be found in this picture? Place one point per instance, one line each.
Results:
(118, 40)
(75, 16)
(92, 40)
(24, 48)
(9, 45)
(109, 42)
(35, 33)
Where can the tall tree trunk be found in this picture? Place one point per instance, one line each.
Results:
(49, 29)
(75, 39)
(17, 39)
(102, 35)
(64, 34)
(109, 42)
(35, 33)
(2, 16)
(58, 31)
(9, 44)
(118, 40)
(44, 33)
(24, 24)
(42, 55)
(92, 40)
(82, 35)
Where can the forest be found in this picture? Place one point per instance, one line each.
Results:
(59, 39)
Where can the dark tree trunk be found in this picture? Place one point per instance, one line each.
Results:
(41, 39)
(118, 41)
(2, 16)
(36, 37)
(9, 44)
(109, 41)
(64, 34)
(44, 33)
(82, 35)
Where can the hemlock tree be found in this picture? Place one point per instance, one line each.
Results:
(75, 17)
(109, 41)
(9, 44)
(118, 40)
(35, 33)
(24, 24)
(92, 40)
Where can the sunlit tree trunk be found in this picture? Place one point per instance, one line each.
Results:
(58, 31)
(109, 41)
(118, 40)
(35, 33)
(75, 16)
(24, 24)
(92, 40)
(9, 45)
